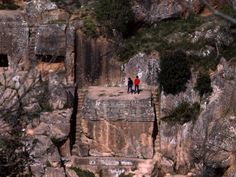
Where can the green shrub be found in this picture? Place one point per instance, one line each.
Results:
(228, 10)
(83, 173)
(89, 26)
(175, 72)
(9, 6)
(203, 85)
(183, 113)
(115, 14)
(124, 175)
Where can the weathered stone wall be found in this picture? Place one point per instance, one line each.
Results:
(13, 35)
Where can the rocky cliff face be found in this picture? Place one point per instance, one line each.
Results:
(65, 92)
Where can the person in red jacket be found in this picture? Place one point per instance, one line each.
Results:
(136, 85)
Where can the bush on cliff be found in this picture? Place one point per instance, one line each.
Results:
(89, 26)
(203, 85)
(115, 14)
(82, 173)
(175, 72)
(8, 5)
(183, 113)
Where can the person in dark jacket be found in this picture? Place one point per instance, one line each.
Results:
(130, 85)
(136, 85)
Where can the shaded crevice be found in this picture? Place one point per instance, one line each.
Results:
(73, 119)
(75, 102)
(155, 128)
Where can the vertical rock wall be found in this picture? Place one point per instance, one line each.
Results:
(94, 65)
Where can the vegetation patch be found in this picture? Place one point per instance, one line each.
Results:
(8, 5)
(89, 26)
(183, 113)
(229, 52)
(151, 38)
(203, 85)
(204, 63)
(83, 173)
(175, 72)
(228, 10)
(13, 157)
(124, 175)
(115, 14)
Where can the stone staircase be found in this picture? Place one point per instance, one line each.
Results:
(111, 166)
(32, 41)
(81, 97)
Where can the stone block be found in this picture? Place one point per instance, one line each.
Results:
(117, 124)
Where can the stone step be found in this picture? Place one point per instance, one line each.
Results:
(110, 166)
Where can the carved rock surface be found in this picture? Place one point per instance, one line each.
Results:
(117, 124)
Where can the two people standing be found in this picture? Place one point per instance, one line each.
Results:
(136, 85)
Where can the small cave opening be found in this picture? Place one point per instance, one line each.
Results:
(50, 58)
(3, 60)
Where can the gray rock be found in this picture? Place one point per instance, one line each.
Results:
(144, 66)
(57, 124)
(34, 9)
(54, 172)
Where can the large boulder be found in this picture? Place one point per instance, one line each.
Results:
(49, 135)
(144, 66)
(57, 123)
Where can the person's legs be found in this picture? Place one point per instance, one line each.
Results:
(129, 89)
(138, 89)
(135, 89)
